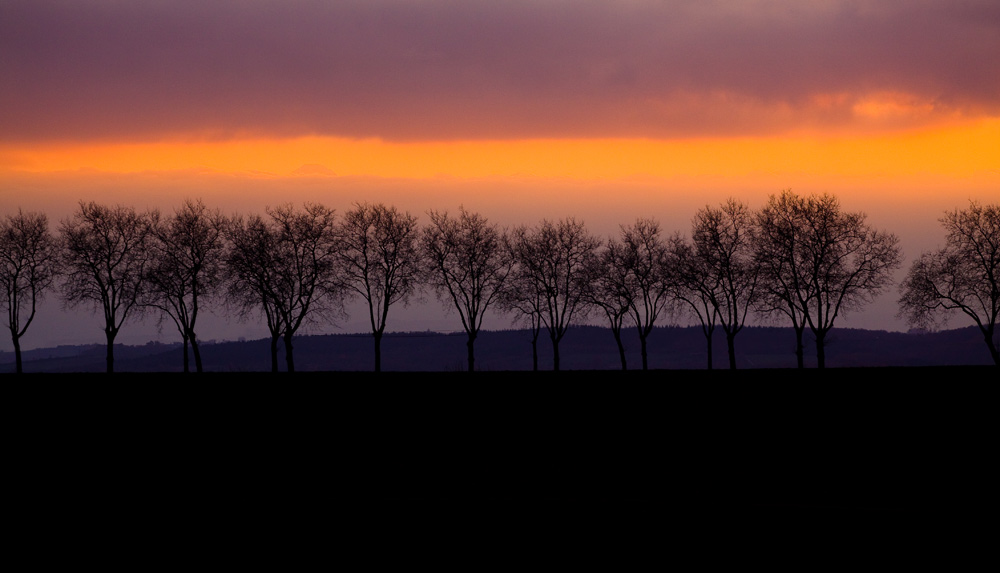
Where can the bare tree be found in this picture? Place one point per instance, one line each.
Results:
(692, 285)
(288, 268)
(106, 254)
(647, 258)
(633, 281)
(521, 299)
(381, 261)
(469, 264)
(252, 274)
(28, 267)
(723, 242)
(553, 261)
(188, 251)
(782, 289)
(610, 291)
(961, 277)
(831, 261)
(310, 248)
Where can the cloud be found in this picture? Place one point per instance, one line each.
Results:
(448, 69)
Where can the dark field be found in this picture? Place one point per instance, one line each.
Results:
(675, 445)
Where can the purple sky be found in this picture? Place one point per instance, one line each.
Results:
(440, 69)
(751, 74)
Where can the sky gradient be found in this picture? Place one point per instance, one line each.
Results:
(605, 111)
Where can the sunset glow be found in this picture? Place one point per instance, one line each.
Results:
(524, 109)
(968, 150)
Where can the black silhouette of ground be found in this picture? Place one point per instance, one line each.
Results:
(694, 445)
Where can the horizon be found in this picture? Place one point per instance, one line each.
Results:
(514, 328)
(520, 111)
(589, 347)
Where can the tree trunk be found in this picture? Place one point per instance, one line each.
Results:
(989, 343)
(799, 347)
(187, 361)
(197, 353)
(378, 351)
(536, 330)
(289, 359)
(470, 348)
(820, 349)
(110, 358)
(19, 367)
(621, 347)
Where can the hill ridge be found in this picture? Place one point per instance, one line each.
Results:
(585, 347)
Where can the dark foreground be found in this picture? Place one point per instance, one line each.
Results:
(677, 446)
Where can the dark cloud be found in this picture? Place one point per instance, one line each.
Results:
(442, 69)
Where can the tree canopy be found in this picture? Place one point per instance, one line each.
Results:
(961, 277)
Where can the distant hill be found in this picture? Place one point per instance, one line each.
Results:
(583, 348)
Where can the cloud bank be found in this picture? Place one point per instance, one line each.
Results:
(458, 70)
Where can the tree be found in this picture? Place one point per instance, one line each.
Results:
(961, 277)
(310, 285)
(633, 281)
(691, 284)
(520, 298)
(553, 263)
(288, 268)
(106, 254)
(469, 264)
(723, 242)
(825, 261)
(28, 267)
(252, 274)
(610, 293)
(188, 250)
(782, 289)
(381, 261)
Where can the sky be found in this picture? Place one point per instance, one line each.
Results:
(605, 111)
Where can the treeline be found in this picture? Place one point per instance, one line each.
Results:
(800, 257)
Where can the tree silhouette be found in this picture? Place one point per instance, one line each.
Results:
(287, 268)
(633, 280)
(252, 274)
(106, 254)
(188, 252)
(693, 285)
(28, 267)
(829, 261)
(309, 248)
(610, 292)
(469, 264)
(380, 261)
(963, 276)
(554, 262)
(723, 242)
(782, 289)
(520, 298)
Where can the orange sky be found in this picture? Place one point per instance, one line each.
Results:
(968, 150)
(520, 109)
(903, 180)
(922, 170)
